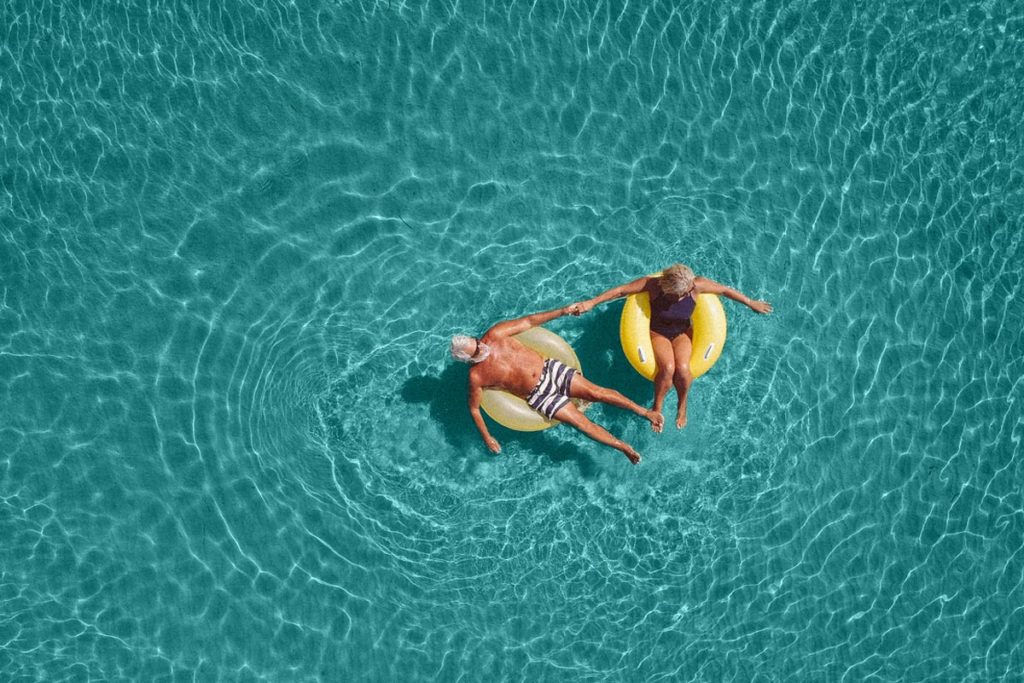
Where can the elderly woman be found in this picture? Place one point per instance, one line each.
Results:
(673, 299)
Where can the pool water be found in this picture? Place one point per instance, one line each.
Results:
(235, 239)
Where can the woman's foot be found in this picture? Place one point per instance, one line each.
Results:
(681, 415)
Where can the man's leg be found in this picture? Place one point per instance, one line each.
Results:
(571, 415)
(583, 388)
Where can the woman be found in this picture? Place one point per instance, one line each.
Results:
(673, 298)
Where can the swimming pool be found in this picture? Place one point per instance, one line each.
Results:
(235, 240)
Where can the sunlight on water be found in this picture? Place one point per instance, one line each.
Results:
(235, 240)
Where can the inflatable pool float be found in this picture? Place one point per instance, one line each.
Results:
(511, 411)
(709, 329)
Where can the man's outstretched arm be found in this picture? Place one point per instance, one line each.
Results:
(508, 328)
(475, 394)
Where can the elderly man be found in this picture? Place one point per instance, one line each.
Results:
(500, 362)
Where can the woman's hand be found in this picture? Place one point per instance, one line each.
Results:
(761, 306)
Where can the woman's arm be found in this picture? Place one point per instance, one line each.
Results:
(634, 287)
(706, 286)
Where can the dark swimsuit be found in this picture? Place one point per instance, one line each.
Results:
(672, 318)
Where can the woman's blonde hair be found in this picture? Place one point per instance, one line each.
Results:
(676, 280)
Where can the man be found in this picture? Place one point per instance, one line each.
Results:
(501, 362)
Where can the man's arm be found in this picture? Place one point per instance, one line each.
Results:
(475, 394)
(634, 287)
(704, 285)
(508, 328)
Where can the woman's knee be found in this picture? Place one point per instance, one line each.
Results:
(666, 369)
(682, 373)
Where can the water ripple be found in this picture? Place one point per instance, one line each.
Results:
(235, 240)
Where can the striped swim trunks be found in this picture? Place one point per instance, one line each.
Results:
(552, 390)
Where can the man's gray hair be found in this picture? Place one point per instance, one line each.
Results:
(461, 342)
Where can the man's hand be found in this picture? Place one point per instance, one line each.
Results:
(493, 444)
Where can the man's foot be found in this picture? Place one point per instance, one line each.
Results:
(657, 420)
(681, 416)
(633, 456)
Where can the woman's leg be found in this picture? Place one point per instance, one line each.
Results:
(682, 347)
(664, 356)
(583, 388)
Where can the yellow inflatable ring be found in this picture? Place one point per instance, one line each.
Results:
(511, 411)
(709, 328)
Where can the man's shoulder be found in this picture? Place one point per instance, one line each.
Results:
(494, 333)
(485, 374)
(483, 368)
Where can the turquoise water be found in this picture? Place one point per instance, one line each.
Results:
(236, 237)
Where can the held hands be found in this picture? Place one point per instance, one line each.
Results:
(580, 307)
(761, 306)
(493, 444)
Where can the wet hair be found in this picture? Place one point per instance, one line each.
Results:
(676, 280)
(458, 349)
